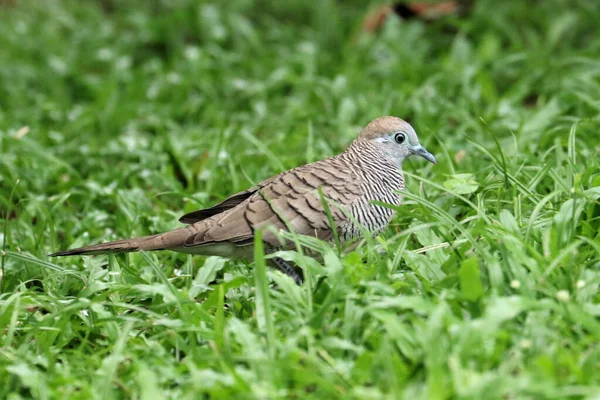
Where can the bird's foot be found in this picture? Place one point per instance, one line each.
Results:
(288, 269)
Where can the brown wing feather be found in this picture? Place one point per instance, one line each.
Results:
(227, 204)
(290, 198)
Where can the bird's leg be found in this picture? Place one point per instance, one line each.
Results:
(288, 269)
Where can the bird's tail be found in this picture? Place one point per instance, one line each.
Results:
(163, 241)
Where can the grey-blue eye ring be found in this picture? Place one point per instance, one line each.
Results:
(399, 137)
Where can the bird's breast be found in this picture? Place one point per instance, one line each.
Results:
(367, 213)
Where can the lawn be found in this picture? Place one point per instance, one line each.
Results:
(117, 117)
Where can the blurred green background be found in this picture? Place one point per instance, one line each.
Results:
(116, 117)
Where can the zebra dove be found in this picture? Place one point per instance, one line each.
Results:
(369, 170)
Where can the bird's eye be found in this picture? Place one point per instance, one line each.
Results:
(399, 137)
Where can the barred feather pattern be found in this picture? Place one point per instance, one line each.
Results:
(381, 179)
(292, 201)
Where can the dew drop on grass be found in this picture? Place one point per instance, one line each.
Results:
(105, 54)
(525, 344)
(173, 78)
(123, 63)
(192, 53)
(563, 295)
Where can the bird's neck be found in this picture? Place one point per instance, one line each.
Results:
(366, 152)
(374, 164)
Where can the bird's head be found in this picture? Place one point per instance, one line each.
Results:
(396, 138)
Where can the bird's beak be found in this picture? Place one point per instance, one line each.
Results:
(421, 151)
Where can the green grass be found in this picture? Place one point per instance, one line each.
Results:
(140, 113)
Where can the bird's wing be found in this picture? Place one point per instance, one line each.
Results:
(291, 199)
(227, 204)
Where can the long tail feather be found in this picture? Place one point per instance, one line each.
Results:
(169, 240)
(118, 246)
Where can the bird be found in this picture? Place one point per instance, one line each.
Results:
(330, 199)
